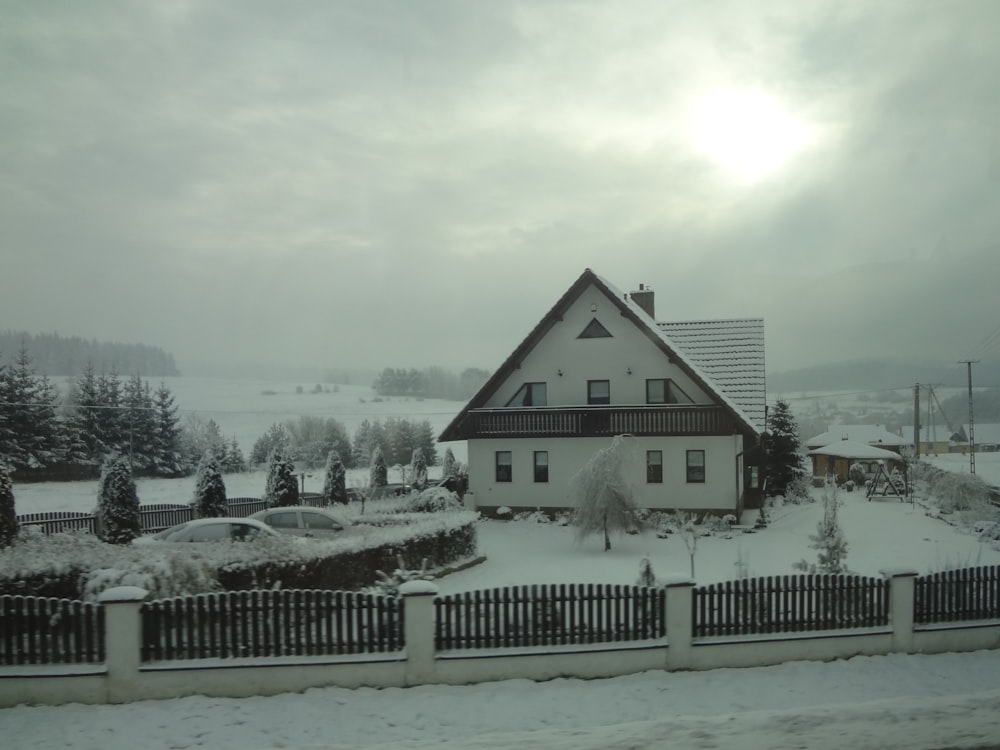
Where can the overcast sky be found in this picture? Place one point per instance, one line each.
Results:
(414, 183)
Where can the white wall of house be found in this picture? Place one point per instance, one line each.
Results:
(581, 360)
(566, 456)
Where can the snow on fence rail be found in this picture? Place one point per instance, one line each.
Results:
(294, 622)
(153, 517)
(790, 604)
(41, 630)
(547, 615)
(956, 595)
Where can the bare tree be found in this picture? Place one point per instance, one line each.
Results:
(604, 497)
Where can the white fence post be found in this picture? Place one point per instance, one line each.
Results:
(680, 625)
(419, 627)
(122, 639)
(901, 599)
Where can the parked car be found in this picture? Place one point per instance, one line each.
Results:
(302, 520)
(211, 530)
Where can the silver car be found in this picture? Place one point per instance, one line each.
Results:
(302, 520)
(211, 530)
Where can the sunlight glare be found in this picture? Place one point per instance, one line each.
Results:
(747, 132)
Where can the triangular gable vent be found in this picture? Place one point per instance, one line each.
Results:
(595, 330)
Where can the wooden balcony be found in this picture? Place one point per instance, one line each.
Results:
(598, 421)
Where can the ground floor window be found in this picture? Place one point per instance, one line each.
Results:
(696, 466)
(654, 467)
(541, 466)
(504, 466)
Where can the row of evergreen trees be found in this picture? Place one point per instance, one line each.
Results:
(43, 435)
(68, 355)
(431, 382)
(309, 441)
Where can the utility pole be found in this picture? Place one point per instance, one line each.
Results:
(916, 421)
(972, 430)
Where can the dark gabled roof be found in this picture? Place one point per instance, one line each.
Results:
(629, 310)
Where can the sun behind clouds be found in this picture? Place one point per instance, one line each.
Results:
(747, 132)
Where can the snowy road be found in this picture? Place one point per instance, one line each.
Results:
(913, 702)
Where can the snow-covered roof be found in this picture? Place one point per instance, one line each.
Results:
(939, 433)
(703, 363)
(872, 434)
(984, 433)
(735, 371)
(854, 449)
(732, 353)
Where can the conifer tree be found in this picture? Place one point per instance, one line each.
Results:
(8, 515)
(166, 434)
(282, 488)
(209, 488)
(449, 467)
(118, 503)
(782, 450)
(234, 462)
(30, 420)
(379, 472)
(604, 497)
(84, 421)
(276, 437)
(419, 468)
(334, 480)
(829, 541)
(109, 416)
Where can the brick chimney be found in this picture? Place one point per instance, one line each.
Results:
(643, 297)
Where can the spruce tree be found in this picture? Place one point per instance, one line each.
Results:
(282, 488)
(209, 488)
(166, 434)
(110, 429)
(378, 473)
(118, 503)
(139, 423)
(604, 497)
(449, 466)
(30, 419)
(829, 541)
(276, 437)
(782, 450)
(335, 480)
(84, 421)
(8, 516)
(419, 468)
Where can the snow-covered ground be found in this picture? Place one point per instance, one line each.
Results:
(896, 701)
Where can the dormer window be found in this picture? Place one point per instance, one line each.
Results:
(665, 391)
(595, 330)
(530, 394)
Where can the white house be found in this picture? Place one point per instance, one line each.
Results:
(598, 365)
(872, 434)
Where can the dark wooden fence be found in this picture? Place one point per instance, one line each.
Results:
(37, 630)
(790, 604)
(270, 623)
(954, 595)
(153, 517)
(56, 521)
(546, 615)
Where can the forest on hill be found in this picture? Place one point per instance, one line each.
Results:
(55, 355)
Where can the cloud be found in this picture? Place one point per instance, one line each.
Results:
(395, 183)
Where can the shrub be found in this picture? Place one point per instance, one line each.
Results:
(433, 500)
(118, 504)
(8, 515)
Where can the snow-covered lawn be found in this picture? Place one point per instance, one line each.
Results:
(895, 701)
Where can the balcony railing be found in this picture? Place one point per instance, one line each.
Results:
(597, 421)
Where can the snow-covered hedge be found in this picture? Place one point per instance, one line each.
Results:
(77, 566)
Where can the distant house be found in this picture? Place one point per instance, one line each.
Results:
(598, 365)
(936, 439)
(836, 458)
(986, 437)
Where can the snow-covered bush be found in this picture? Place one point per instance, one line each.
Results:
(646, 575)
(334, 480)
(118, 503)
(8, 515)
(388, 584)
(281, 488)
(829, 538)
(533, 516)
(857, 474)
(433, 500)
(209, 488)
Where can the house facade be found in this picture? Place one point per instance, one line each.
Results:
(689, 395)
